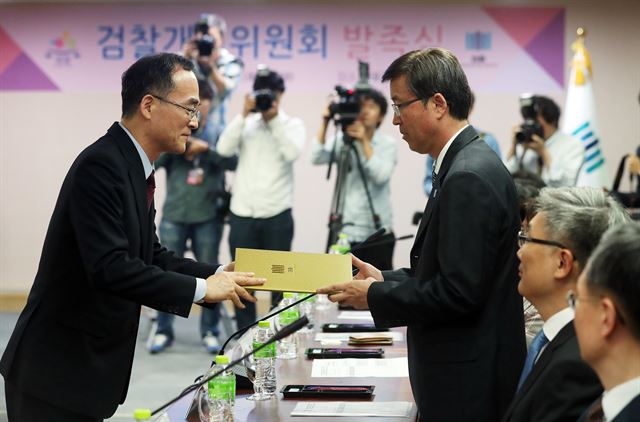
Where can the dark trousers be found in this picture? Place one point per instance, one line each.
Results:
(23, 407)
(274, 233)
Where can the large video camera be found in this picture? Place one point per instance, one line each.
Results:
(530, 127)
(346, 109)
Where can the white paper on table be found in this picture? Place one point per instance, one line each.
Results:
(351, 367)
(395, 335)
(387, 409)
(366, 315)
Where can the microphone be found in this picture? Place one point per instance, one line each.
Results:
(375, 235)
(284, 332)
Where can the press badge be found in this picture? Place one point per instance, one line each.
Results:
(195, 176)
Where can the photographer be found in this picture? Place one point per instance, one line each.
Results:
(217, 65)
(540, 148)
(267, 141)
(377, 153)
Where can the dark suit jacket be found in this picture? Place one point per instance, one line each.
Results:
(560, 386)
(74, 341)
(630, 413)
(459, 299)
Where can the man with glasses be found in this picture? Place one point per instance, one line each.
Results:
(465, 333)
(566, 225)
(607, 320)
(70, 355)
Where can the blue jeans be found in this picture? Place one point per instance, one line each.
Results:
(205, 243)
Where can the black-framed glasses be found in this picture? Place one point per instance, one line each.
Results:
(397, 108)
(524, 238)
(193, 113)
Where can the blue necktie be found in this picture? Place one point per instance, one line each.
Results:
(536, 346)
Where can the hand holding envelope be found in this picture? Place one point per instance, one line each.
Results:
(354, 292)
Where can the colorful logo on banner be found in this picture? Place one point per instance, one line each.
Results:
(507, 49)
(63, 50)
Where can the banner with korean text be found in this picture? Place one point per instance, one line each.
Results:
(85, 48)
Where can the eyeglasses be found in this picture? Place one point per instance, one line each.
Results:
(524, 238)
(397, 108)
(193, 113)
(573, 299)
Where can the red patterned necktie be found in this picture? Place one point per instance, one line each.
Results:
(151, 188)
(595, 413)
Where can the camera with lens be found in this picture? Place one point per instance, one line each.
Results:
(530, 126)
(345, 110)
(265, 88)
(204, 42)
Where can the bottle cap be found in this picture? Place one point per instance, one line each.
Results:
(142, 414)
(288, 295)
(222, 359)
(264, 324)
(342, 236)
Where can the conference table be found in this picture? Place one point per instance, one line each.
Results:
(298, 371)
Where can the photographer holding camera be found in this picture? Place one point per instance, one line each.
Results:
(267, 141)
(540, 148)
(217, 65)
(377, 152)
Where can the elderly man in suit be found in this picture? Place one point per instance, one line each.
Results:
(607, 308)
(459, 298)
(70, 355)
(567, 223)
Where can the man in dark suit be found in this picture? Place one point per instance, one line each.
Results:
(607, 307)
(564, 228)
(458, 299)
(70, 355)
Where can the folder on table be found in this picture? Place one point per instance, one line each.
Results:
(293, 271)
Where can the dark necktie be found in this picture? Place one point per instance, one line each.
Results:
(595, 412)
(151, 188)
(536, 346)
(434, 178)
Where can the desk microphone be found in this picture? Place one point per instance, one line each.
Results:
(284, 332)
(375, 235)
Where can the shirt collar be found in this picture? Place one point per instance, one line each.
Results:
(146, 163)
(440, 158)
(553, 325)
(616, 399)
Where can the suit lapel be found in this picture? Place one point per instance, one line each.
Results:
(462, 140)
(566, 333)
(137, 180)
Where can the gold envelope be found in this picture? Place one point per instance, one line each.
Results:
(293, 271)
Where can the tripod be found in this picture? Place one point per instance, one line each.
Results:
(343, 163)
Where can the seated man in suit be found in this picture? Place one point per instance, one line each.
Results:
(607, 308)
(567, 223)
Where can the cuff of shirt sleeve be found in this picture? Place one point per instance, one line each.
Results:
(201, 286)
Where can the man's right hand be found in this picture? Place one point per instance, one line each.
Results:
(228, 285)
(249, 105)
(365, 270)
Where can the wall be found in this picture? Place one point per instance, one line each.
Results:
(41, 134)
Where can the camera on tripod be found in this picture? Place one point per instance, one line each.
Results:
(530, 126)
(346, 109)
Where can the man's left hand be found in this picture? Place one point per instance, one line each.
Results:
(353, 293)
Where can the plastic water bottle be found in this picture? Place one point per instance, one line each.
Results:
(288, 346)
(306, 308)
(222, 391)
(141, 415)
(343, 245)
(264, 384)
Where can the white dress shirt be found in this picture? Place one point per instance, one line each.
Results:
(554, 324)
(566, 155)
(263, 186)
(616, 399)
